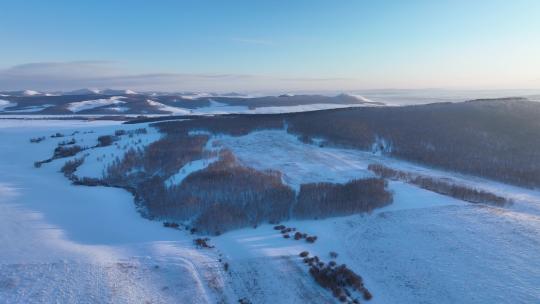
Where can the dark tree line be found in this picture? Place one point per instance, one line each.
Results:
(359, 195)
(440, 186)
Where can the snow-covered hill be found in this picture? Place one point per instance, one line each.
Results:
(65, 243)
(100, 102)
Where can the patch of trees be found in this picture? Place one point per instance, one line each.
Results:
(130, 133)
(106, 140)
(342, 281)
(171, 225)
(88, 181)
(56, 135)
(61, 151)
(244, 301)
(161, 159)
(69, 168)
(328, 199)
(67, 142)
(202, 243)
(36, 140)
(65, 151)
(120, 132)
(297, 234)
(227, 195)
(440, 186)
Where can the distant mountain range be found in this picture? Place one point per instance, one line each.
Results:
(128, 102)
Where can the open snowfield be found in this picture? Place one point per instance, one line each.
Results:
(75, 244)
(67, 244)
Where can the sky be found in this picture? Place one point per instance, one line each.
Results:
(270, 45)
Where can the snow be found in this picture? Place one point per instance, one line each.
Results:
(98, 159)
(304, 108)
(6, 104)
(95, 103)
(30, 92)
(119, 109)
(220, 108)
(117, 92)
(163, 107)
(361, 98)
(67, 244)
(299, 162)
(31, 109)
(53, 251)
(308, 163)
(189, 168)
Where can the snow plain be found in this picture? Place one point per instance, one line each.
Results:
(74, 244)
(67, 244)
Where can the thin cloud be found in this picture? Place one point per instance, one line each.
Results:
(58, 76)
(253, 41)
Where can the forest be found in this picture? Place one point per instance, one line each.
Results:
(497, 139)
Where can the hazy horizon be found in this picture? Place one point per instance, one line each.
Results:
(270, 47)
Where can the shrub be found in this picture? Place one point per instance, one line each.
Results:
(333, 254)
(120, 132)
(90, 182)
(244, 301)
(67, 142)
(304, 254)
(71, 166)
(202, 243)
(339, 279)
(171, 225)
(37, 139)
(106, 140)
(311, 239)
(63, 151)
(367, 295)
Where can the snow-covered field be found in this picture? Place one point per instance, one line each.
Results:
(67, 244)
(74, 244)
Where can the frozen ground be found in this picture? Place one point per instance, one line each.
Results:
(74, 244)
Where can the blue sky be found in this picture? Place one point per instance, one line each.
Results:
(268, 45)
